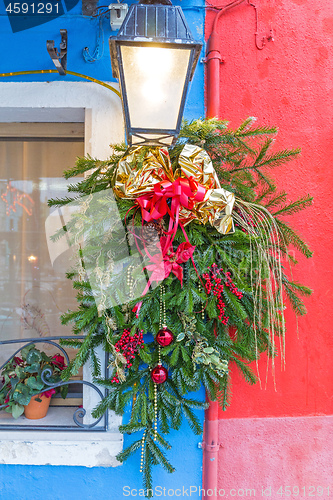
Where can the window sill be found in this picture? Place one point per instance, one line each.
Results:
(88, 449)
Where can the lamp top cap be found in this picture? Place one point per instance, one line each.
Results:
(156, 21)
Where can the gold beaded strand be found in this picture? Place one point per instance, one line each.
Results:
(202, 310)
(162, 324)
(142, 451)
(155, 412)
(130, 281)
(162, 308)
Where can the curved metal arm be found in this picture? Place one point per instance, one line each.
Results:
(43, 341)
(80, 412)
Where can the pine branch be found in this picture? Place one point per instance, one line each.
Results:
(295, 206)
(278, 158)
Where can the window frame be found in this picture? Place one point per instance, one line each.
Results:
(103, 125)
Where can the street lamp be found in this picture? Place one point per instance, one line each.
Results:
(153, 56)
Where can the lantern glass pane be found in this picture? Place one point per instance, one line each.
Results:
(155, 78)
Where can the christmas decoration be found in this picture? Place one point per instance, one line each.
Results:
(164, 337)
(216, 279)
(13, 197)
(146, 175)
(159, 374)
(206, 222)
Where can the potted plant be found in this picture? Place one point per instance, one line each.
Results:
(23, 389)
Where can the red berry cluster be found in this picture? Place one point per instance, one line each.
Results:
(128, 345)
(232, 287)
(215, 280)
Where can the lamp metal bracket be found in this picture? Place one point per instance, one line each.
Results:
(59, 58)
(118, 13)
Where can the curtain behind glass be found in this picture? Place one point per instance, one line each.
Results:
(33, 295)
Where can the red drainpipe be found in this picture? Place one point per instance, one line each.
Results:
(213, 61)
(210, 450)
(211, 445)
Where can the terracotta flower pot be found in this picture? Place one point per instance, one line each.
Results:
(37, 409)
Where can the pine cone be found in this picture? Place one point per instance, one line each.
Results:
(151, 229)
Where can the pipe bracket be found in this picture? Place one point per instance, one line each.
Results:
(214, 54)
(210, 447)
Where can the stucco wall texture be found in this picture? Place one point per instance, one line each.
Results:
(287, 84)
(268, 455)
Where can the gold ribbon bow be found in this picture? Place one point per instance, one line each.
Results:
(139, 172)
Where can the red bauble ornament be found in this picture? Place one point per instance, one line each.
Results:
(159, 374)
(164, 337)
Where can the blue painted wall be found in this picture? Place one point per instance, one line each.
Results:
(24, 482)
(23, 51)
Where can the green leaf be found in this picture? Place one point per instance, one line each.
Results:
(22, 394)
(145, 356)
(34, 368)
(174, 356)
(14, 382)
(35, 383)
(180, 336)
(223, 366)
(208, 350)
(64, 391)
(25, 351)
(34, 356)
(185, 355)
(19, 371)
(17, 410)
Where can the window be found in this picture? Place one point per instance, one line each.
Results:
(38, 140)
(32, 292)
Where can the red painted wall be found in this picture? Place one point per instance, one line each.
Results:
(289, 84)
(266, 457)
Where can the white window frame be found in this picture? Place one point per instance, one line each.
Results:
(103, 126)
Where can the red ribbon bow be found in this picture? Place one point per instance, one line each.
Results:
(182, 192)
